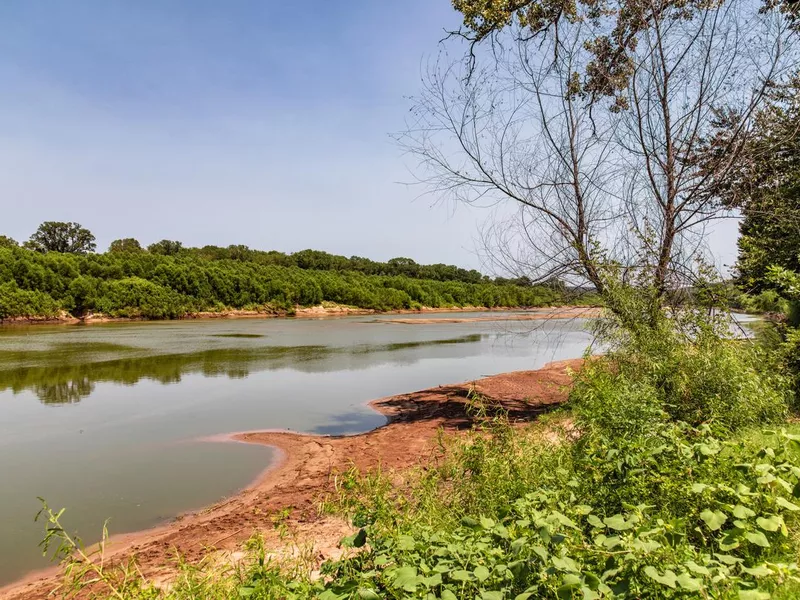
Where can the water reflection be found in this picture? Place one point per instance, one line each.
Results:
(67, 373)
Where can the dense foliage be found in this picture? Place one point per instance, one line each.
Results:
(171, 284)
(765, 186)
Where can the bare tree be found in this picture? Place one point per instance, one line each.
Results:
(600, 164)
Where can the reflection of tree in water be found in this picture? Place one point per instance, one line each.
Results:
(66, 378)
(65, 392)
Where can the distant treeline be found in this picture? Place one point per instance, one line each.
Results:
(169, 282)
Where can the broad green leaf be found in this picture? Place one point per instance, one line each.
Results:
(589, 593)
(713, 519)
(757, 571)
(645, 545)
(757, 538)
(753, 595)
(405, 577)
(566, 591)
(695, 568)
(727, 559)
(742, 512)
(448, 595)
(366, 594)
(699, 488)
(668, 578)
(612, 542)
(707, 450)
(434, 580)
(592, 580)
(470, 522)
(771, 523)
(461, 575)
(518, 544)
(406, 542)
(688, 582)
(595, 521)
(729, 542)
(582, 509)
(494, 595)
(618, 523)
(563, 519)
(482, 573)
(564, 563)
(486, 523)
(541, 552)
(786, 504)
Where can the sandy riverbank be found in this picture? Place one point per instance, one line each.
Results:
(323, 311)
(305, 472)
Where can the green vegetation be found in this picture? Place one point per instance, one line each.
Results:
(169, 281)
(54, 236)
(765, 186)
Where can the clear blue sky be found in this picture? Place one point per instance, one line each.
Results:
(264, 123)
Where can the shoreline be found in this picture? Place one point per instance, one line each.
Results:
(312, 312)
(304, 468)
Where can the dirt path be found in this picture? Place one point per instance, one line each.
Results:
(305, 472)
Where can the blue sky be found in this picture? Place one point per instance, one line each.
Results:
(264, 123)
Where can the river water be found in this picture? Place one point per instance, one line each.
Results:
(112, 421)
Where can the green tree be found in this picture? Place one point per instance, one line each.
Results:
(56, 236)
(125, 245)
(165, 247)
(764, 186)
(7, 242)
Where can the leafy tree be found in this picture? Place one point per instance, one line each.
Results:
(125, 245)
(55, 236)
(7, 242)
(165, 247)
(765, 186)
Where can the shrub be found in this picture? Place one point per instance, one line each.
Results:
(15, 302)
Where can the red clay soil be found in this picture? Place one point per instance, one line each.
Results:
(305, 473)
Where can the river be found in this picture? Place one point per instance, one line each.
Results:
(118, 420)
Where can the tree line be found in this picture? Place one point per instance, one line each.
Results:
(169, 281)
(71, 237)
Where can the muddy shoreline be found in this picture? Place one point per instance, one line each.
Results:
(313, 312)
(305, 470)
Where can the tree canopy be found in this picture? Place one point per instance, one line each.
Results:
(152, 285)
(125, 245)
(56, 236)
(765, 187)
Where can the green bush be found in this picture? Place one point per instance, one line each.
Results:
(187, 280)
(15, 302)
(686, 368)
(135, 297)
